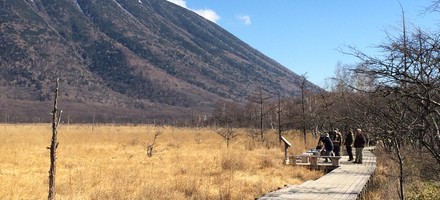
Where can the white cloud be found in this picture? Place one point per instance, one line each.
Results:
(209, 14)
(180, 3)
(246, 19)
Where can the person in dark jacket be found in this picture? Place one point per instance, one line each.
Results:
(320, 146)
(359, 144)
(348, 142)
(328, 146)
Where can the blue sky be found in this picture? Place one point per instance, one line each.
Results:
(304, 35)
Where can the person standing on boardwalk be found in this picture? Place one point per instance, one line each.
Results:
(359, 144)
(348, 142)
(328, 146)
(336, 138)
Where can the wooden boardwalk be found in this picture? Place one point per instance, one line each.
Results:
(349, 181)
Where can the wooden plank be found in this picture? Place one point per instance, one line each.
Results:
(345, 182)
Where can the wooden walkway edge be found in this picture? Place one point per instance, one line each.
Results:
(349, 181)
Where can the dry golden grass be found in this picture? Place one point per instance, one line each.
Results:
(110, 162)
(420, 183)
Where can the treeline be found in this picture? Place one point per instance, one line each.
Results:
(311, 111)
(393, 97)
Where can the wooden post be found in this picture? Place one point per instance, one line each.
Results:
(54, 144)
(286, 147)
(313, 161)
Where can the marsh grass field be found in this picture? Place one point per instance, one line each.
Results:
(111, 162)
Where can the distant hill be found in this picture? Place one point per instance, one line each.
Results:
(124, 60)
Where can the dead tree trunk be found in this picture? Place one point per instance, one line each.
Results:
(400, 159)
(303, 107)
(150, 147)
(56, 116)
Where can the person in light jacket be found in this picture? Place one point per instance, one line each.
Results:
(336, 138)
(359, 144)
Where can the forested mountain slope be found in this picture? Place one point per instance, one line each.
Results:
(121, 60)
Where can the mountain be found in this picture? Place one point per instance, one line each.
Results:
(124, 60)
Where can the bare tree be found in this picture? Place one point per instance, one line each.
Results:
(393, 120)
(303, 106)
(260, 99)
(150, 147)
(227, 133)
(412, 71)
(407, 80)
(279, 112)
(346, 97)
(280, 119)
(434, 7)
(327, 109)
(56, 117)
(225, 124)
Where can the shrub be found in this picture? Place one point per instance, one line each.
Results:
(234, 162)
(266, 162)
(423, 190)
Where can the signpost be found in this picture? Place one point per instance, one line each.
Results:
(286, 147)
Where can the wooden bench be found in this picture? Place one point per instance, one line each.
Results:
(311, 159)
(334, 159)
(303, 158)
